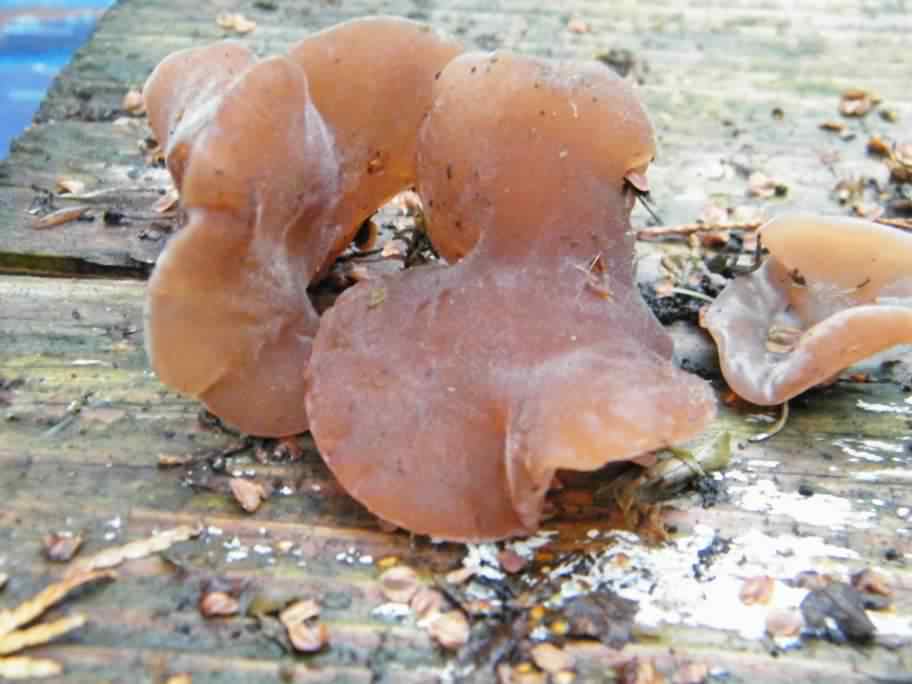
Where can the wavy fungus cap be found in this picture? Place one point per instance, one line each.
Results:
(277, 163)
(829, 295)
(445, 398)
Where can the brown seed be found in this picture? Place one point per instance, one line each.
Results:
(399, 584)
(218, 604)
(450, 630)
(299, 611)
(784, 623)
(757, 590)
(550, 658)
(872, 582)
(878, 146)
(248, 493)
(60, 547)
(308, 639)
(834, 126)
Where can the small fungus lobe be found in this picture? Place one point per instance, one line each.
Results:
(832, 292)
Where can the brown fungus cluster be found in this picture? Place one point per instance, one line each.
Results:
(830, 294)
(277, 165)
(445, 397)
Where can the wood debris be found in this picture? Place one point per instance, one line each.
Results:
(248, 493)
(60, 547)
(236, 22)
(134, 550)
(60, 217)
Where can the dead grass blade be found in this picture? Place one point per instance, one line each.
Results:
(33, 608)
(134, 550)
(23, 667)
(39, 634)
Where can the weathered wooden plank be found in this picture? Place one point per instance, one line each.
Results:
(712, 75)
(100, 471)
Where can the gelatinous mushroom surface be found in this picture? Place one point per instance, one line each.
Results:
(277, 163)
(829, 295)
(229, 320)
(444, 398)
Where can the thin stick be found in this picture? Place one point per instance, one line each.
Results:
(685, 229)
(775, 429)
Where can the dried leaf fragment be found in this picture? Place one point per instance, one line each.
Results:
(182, 678)
(399, 584)
(235, 22)
(59, 217)
(308, 638)
(60, 547)
(427, 602)
(24, 667)
(857, 102)
(550, 658)
(70, 186)
(133, 102)
(757, 590)
(134, 550)
(834, 126)
(34, 607)
(691, 673)
(781, 339)
(510, 561)
(218, 604)
(40, 634)
(872, 582)
(784, 623)
(450, 630)
(249, 494)
(174, 460)
(299, 611)
(166, 202)
(761, 185)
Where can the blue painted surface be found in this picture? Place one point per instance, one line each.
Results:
(37, 39)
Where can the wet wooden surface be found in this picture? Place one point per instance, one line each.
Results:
(83, 421)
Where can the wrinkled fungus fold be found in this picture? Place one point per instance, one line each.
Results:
(444, 398)
(832, 292)
(277, 163)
